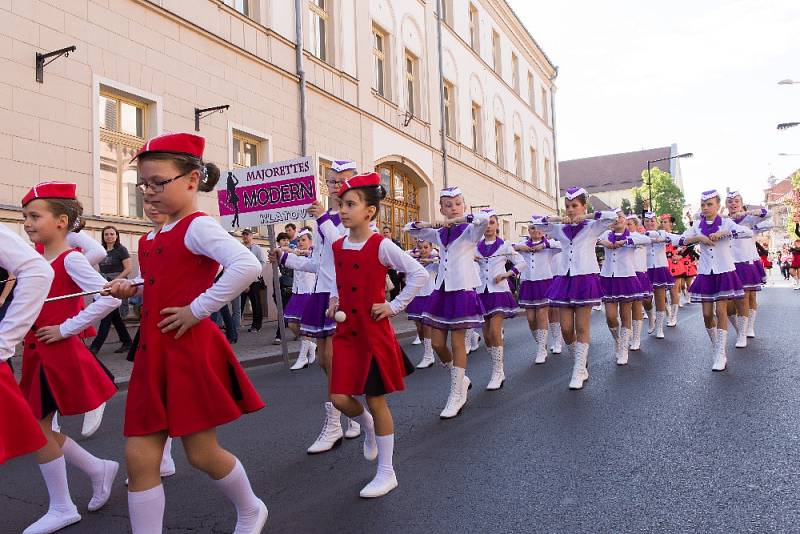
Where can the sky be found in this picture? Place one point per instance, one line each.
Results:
(702, 74)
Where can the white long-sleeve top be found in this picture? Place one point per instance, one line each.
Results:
(640, 254)
(456, 244)
(84, 275)
(744, 249)
(718, 258)
(577, 254)
(90, 248)
(493, 264)
(205, 237)
(329, 230)
(621, 262)
(393, 257)
(34, 276)
(657, 252)
(431, 268)
(303, 282)
(542, 264)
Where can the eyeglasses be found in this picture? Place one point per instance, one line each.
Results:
(156, 187)
(332, 182)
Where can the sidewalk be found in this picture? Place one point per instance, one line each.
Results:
(251, 350)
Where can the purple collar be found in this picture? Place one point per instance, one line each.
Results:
(489, 250)
(531, 244)
(571, 230)
(613, 237)
(707, 229)
(451, 233)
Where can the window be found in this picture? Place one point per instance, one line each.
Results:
(498, 144)
(447, 12)
(531, 92)
(506, 229)
(534, 166)
(242, 6)
(122, 132)
(401, 204)
(515, 72)
(545, 106)
(379, 75)
(245, 150)
(518, 156)
(547, 175)
(474, 29)
(449, 110)
(411, 83)
(496, 53)
(477, 129)
(318, 28)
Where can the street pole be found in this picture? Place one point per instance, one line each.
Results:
(276, 290)
(441, 92)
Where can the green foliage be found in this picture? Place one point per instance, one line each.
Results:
(625, 206)
(793, 207)
(667, 196)
(638, 202)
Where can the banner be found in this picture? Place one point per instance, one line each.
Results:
(266, 194)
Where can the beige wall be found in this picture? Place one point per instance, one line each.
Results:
(176, 55)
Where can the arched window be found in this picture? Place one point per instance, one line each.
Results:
(402, 201)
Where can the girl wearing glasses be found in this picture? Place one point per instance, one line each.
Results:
(186, 380)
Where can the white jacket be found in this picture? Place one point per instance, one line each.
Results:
(744, 250)
(539, 265)
(321, 260)
(718, 258)
(493, 257)
(657, 252)
(621, 262)
(456, 251)
(577, 254)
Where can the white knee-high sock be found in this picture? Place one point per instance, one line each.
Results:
(367, 423)
(385, 454)
(167, 449)
(86, 462)
(146, 509)
(54, 473)
(236, 487)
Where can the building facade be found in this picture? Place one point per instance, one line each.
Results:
(782, 200)
(144, 67)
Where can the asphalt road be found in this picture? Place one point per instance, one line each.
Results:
(662, 445)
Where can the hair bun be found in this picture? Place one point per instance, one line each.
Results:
(210, 177)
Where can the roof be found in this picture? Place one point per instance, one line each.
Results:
(777, 191)
(597, 204)
(611, 172)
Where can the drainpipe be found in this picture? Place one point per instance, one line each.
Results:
(301, 73)
(441, 90)
(555, 143)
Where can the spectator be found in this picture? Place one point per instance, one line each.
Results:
(785, 261)
(394, 276)
(256, 288)
(116, 265)
(286, 282)
(291, 231)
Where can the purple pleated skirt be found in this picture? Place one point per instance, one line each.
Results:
(293, 312)
(533, 293)
(749, 276)
(575, 291)
(760, 267)
(416, 307)
(498, 304)
(453, 310)
(620, 289)
(647, 287)
(714, 287)
(314, 322)
(660, 277)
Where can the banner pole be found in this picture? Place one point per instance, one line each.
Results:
(276, 289)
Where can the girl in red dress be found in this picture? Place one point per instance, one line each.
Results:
(19, 431)
(366, 357)
(186, 380)
(58, 371)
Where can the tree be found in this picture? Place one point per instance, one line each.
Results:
(794, 207)
(667, 196)
(638, 202)
(625, 206)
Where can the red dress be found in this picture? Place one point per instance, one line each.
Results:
(361, 281)
(19, 431)
(89, 331)
(676, 266)
(63, 375)
(189, 384)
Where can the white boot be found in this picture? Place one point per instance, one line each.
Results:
(651, 321)
(636, 337)
(417, 341)
(498, 376)
(312, 352)
(353, 429)
(331, 435)
(720, 358)
(457, 397)
(624, 340)
(712, 335)
(741, 332)
(555, 337)
(541, 340)
(92, 420)
(302, 358)
(660, 317)
(427, 355)
(673, 315)
(615, 333)
(751, 324)
(579, 372)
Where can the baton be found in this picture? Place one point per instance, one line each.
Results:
(8, 280)
(83, 294)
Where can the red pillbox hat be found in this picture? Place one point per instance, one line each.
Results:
(50, 190)
(176, 143)
(370, 179)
